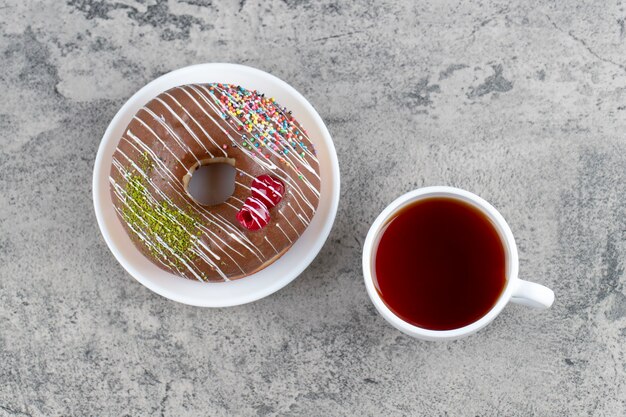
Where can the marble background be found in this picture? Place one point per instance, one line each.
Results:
(520, 101)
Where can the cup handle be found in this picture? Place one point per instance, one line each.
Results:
(533, 295)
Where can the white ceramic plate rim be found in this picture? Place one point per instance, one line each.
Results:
(264, 282)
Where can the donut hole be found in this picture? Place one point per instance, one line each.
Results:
(211, 182)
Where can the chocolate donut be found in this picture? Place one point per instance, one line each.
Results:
(277, 181)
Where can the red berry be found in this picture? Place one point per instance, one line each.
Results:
(267, 189)
(254, 215)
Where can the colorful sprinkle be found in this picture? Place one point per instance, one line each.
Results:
(267, 124)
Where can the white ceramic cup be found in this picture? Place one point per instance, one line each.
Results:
(516, 290)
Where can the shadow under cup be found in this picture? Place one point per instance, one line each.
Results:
(440, 262)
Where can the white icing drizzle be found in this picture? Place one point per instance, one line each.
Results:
(215, 248)
(301, 209)
(136, 139)
(254, 210)
(301, 160)
(261, 194)
(159, 165)
(195, 241)
(122, 196)
(289, 223)
(298, 215)
(187, 128)
(268, 165)
(242, 185)
(287, 183)
(251, 188)
(281, 229)
(175, 183)
(174, 135)
(208, 233)
(270, 243)
(149, 243)
(197, 124)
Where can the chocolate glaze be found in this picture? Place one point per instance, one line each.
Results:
(192, 125)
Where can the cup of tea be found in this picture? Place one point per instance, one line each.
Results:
(441, 263)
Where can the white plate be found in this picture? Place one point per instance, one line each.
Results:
(264, 282)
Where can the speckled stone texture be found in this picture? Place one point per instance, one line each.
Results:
(522, 102)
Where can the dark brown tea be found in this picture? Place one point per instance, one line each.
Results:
(440, 264)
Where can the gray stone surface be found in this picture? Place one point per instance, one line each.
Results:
(519, 101)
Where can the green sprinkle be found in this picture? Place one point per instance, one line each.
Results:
(170, 231)
(146, 164)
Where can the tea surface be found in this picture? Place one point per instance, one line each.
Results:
(440, 264)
